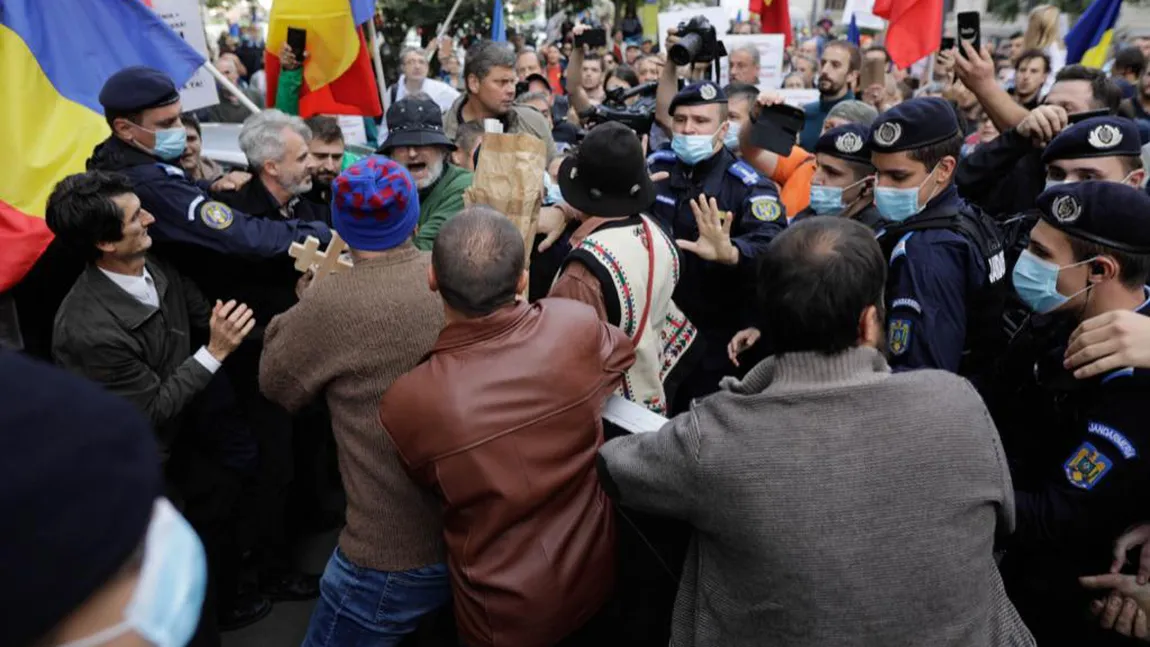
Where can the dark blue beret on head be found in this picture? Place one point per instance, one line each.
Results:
(1104, 213)
(847, 142)
(79, 474)
(1095, 137)
(137, 88)
(912, 125)
(698, 94)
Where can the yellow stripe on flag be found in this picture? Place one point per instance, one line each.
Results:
(332, 44)
(45, 135)
(1096, 56)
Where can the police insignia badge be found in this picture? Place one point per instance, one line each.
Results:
(888, 133)
(216, 215)
(1104, 136)
(1086, 467)
(898, 336)
(1066, 209)
(766, 209)
(707, 92)
(848, 143)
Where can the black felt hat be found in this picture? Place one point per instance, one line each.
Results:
(415, 122)
(607, 177)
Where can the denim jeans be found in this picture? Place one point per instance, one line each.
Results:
(361, 607)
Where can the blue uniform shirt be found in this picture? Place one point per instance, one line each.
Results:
(932, 276)
(186, 214)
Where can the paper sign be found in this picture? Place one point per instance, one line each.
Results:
(799, 98)
(717, 16)
(770, 48)
(354, 132)
(183, 16)
(863, 17)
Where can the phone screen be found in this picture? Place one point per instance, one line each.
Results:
(947, 44)
(593, 38)
(969, 29)
(297, 41)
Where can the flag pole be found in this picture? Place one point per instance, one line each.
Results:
(231, 87)
(379, 81)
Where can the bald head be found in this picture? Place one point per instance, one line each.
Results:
(478, 259)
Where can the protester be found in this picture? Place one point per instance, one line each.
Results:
(585, 77)
(1129, 64)
(1033, 68)
(838, 73)
(229, 110)
(647, 69)
(490, 76)
(794, 81)
(531, 536)
(527, 63)
(1042, 33)
(195, 165)
(417, 141)
(849, 112)
(389, 569)
(468, 139)
(622, 264)
(721, 466)
(414, 80)
(744, 64)
(329, 152)
(807, 67)
(111, 561)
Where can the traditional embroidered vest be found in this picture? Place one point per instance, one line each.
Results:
(637, 283)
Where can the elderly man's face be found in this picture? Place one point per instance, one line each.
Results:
(294, 170)
(527, 64)
(425, 163)
(807, 69)
(648, 70)
(328, 159)
(415, 66)
(190, 160)
(227, 67)
(743, 68)
(810, 48)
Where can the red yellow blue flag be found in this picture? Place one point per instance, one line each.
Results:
(54, 57)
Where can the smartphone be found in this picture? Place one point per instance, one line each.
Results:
(592, 38)
(873, 73)
(297, 41)
(1080, 116)
(947, 44)
(969, 29)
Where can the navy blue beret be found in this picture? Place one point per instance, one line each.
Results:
(848, 142)
(1095, 137)
(698, 94)
(79, 475)
(137, 88)
(1109, 214)
(913, 124)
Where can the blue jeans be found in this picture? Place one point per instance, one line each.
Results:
(361, 607)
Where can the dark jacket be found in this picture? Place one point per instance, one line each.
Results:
(515, 399)
(1003, 176)
(141, 353)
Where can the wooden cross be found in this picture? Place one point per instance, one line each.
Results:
(326, 262)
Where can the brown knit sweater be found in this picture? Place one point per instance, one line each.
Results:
(349, 338)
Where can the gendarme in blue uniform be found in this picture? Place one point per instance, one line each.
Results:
(185, 213)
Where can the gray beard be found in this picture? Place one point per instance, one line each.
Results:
(434, 172)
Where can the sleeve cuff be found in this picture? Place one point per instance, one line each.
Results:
(206, 360)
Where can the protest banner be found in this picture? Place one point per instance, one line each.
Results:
(799, 98)
(183, 16)
(770, 48)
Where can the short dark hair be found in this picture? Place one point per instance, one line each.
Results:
(1131, 163)
(324, 128)
(623, 73)
(486, 55)
(1133, 269)
(1105, 92)
(467, 134)
(1130, 59)
(1017, 34)
(741, 91)
(594, 56)
(815, 280)
(1034, 53)
(931, 155)
(852, 50)
(190, 119)
(81, 212)
(879, 48)
(478, 258)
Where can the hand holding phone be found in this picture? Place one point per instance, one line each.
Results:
(592, 38)
(947, 44)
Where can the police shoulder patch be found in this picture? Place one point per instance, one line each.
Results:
(216, 215)
(1086, 466)
(766, 208)
(745, 172)
(898, 336)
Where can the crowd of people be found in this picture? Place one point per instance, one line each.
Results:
(894, 343)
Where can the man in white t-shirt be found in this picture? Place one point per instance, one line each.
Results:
(414, 80)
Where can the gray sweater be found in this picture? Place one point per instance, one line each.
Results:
(834, 503)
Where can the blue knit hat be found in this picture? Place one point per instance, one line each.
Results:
(79, 474)
(374, 204)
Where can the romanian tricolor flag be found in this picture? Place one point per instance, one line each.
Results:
(338, 77)
(1088, 41)
(54, 57)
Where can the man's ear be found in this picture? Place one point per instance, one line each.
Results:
(521, 286)
(122, 128)
(946, 167)
(106, 247)
(432, 281)
(472, 84)
(1103, 268)
(870, 332)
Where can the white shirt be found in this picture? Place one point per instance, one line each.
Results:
(143, 289)
(442, 94)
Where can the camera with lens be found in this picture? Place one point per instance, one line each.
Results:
(639, 117)
(698, 43)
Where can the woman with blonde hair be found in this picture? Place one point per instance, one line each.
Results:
(1042, 34)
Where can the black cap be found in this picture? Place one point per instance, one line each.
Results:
(415, 122)
(79, 476)
(538, 78)
(1109, 214)
(912, 125)
(1095, 137)
(776, 128)
(846, 142)
(137, 88)
(698, 94)
(607, 176)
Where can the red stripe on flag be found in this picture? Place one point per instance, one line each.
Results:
(23, 238)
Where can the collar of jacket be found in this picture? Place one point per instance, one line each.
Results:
(114, 154)
(804, 371)
(124, 307)
(475, 331)
(508, 120)
(683, 176)
(825, 105)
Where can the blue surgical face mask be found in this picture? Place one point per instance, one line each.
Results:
(731, 141)
(827, 200)
(1036, 282)
(898, 205)
(165, 608)
(552, 193)
(170, 142)
(692, 149)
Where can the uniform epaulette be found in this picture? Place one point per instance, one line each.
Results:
(745, 172)
(661, 156)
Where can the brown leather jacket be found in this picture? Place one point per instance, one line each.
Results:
(502, 422)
